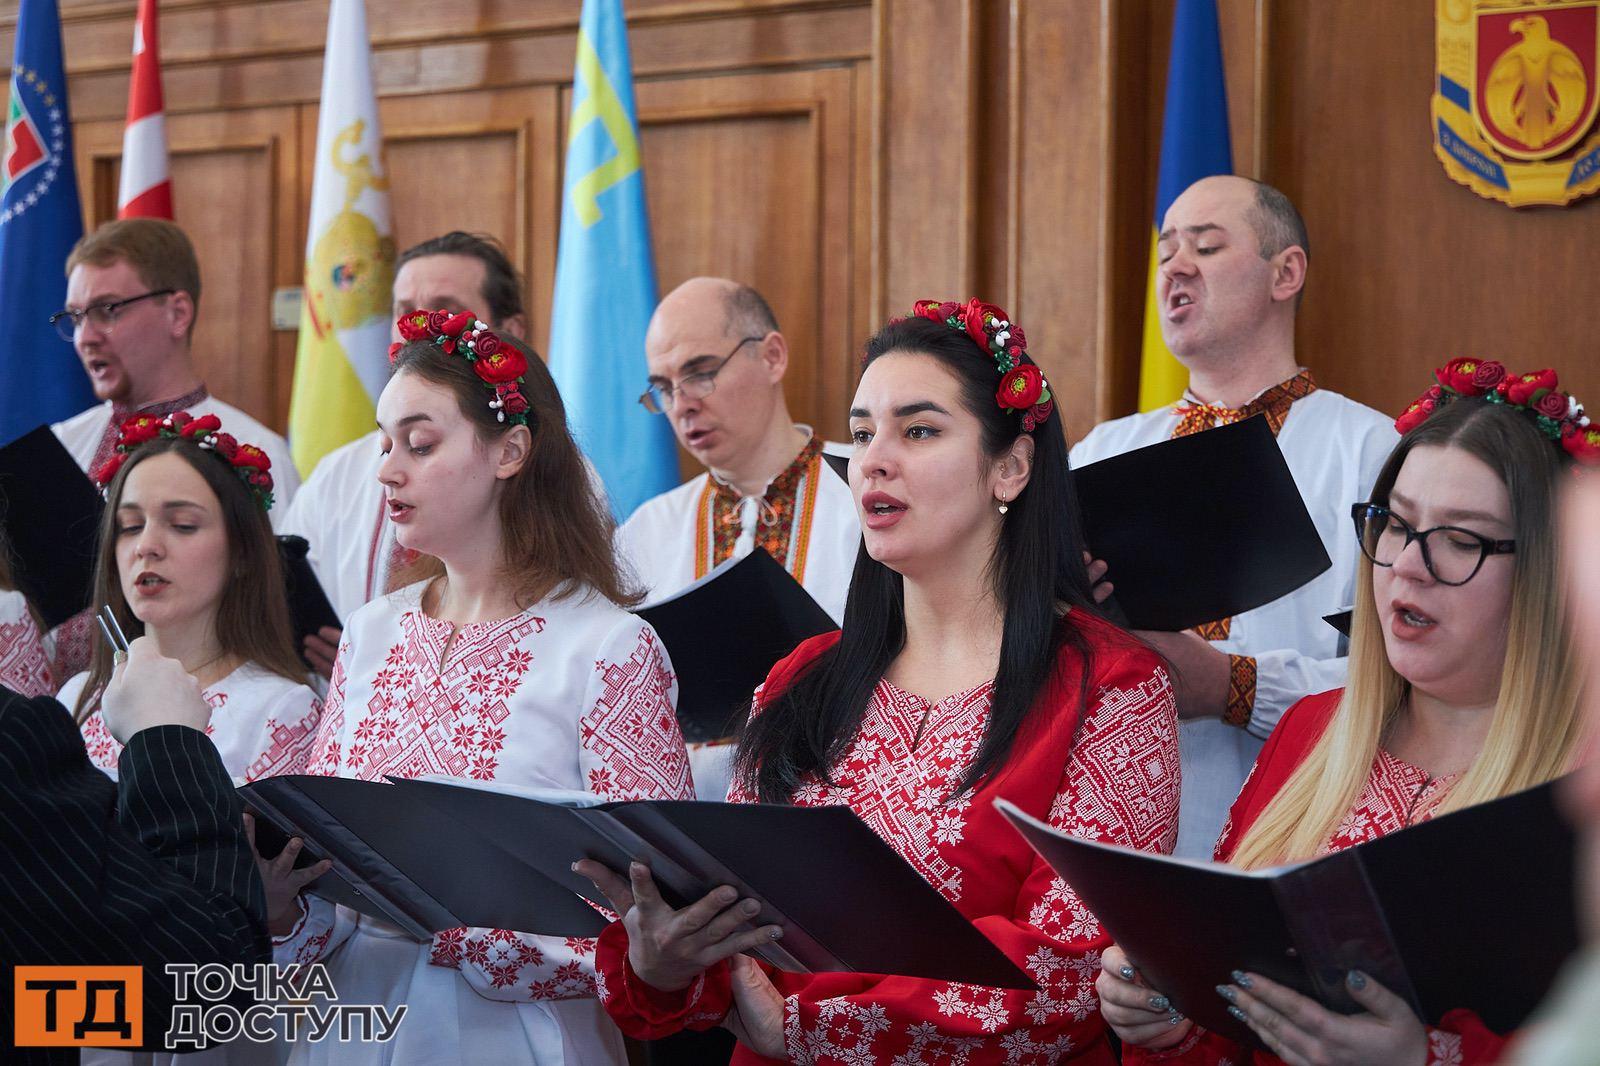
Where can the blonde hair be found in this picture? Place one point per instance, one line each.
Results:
(1535, 732)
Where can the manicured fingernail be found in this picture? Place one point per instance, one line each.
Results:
(777, 934)
(1227, 993)
(1159, 1003)
(1127, 973)
(1174, 1018)
(1357, 979)
(1241, 979)
(574, 867)
(1238, 1014)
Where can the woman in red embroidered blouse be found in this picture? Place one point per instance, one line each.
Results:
(1461, 689)
(971, 666)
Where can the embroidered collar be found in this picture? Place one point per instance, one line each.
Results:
(1194, 415)
(779, 487)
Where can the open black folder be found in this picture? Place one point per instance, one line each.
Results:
(725, 632)
(1471, 909)
(50, 519)
(879, 915)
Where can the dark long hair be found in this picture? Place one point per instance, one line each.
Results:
(252, 619)
(1037, 571)
(555, 528)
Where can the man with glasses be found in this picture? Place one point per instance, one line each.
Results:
(133, 294)
(716, 363)
(1233, 255)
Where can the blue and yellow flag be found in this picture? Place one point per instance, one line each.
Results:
(41, 379)
(1194, 145)
(606, 274)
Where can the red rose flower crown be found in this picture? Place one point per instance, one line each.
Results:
(500, 365)
(251, 464)
(1022, 384)
(1555, 411)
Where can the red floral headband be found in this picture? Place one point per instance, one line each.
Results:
(1555, 411)
(499, 364)
(251, 464)
(1022, 384)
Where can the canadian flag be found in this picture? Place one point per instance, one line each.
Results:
(146, 190)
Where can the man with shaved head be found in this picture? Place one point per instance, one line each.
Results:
(1233, 256)
(716, 362)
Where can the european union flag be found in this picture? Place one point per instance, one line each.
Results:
(40, 220)
(606, 275)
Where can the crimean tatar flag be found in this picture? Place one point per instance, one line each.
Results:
(1194, 145)
(342, 359)
(146, 188)
(606, 275)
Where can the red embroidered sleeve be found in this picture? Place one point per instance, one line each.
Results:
(323, 756)
(1120, 785)
(647, 1013)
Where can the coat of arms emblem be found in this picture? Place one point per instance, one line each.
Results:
(1516, 98)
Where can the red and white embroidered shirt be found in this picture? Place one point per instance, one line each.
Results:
(262, 724)
(1397, 794)
(569, 694)
(1108, 770)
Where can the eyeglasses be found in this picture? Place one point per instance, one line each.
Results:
(1451, 554)
(659, 398)
(101, 316)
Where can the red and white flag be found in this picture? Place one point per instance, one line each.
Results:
(146, 190)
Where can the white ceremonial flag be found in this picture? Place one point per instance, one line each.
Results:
(342, 361)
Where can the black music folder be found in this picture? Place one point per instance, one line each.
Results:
(512, 849)
(309, 609)
(50, 520)
(725, 632)
(1199, 528)
(405, 862)
(1474, 909)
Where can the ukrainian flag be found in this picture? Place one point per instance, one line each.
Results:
(606, 274)
(1194, 145)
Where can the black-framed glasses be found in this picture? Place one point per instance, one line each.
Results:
(101, 316)
(659, 398)
(1451, 554)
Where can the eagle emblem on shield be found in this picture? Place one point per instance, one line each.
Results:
(1516, 98)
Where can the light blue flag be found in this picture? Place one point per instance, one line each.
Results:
(605, 274)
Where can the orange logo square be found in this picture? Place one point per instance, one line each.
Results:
(79, 1006)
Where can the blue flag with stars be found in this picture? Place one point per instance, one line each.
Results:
(606, 274)
(41, 379)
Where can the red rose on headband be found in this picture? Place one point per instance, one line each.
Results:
(1583, 443)
(1021, 388)
(456, 324)
(252, 458)
(1017, 339)
(1552, 404)
(225, 445)
(199, 427)
(1414, 416)
(178, 419)
(138, 429)
(414, 326)
(1489, 374)
(513, 401)
(1524, 389)
(979, 319)
(501, 367)
(109, 468)
(435, 322)
(1458, 376)
(485, 344)
(1037, 414)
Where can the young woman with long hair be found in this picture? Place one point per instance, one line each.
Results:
(187, 557)
(972, 666)
(1462, 688)
(509, 657)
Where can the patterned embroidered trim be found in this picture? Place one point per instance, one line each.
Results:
(1241, 690)
(791, 499)
(1274, 403)
(1214, 631)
